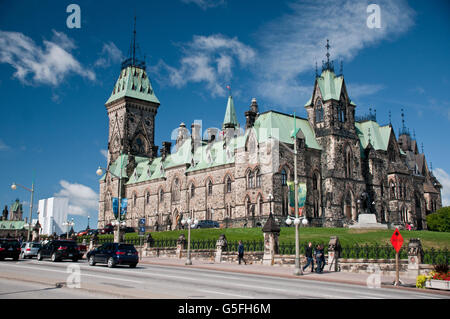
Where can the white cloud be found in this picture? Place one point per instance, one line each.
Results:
(206, 4)
(208, 60)
(444, 179)
(293, 43)
(359, 90)
(48, 65)
(110, 54)
(3, 146)
(104, 153)
(82, 199)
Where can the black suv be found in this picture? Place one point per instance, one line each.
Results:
(114, 254)
(9, 248)
(60, 249)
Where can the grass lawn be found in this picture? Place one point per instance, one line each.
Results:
(346, 236)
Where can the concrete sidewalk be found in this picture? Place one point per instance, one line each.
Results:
(286, 272)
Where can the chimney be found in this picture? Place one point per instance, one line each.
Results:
(250, 115)
(196, 139)
(154, 151)
(182, 136)
(165, 150)
(211, 134)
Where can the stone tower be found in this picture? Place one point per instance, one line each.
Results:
(331, 114)
(132, 108)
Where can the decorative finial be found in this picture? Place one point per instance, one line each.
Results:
(431, 167)
(390, 118)
(229, 89)
(328, 53)
(375, 114)
(422, 148)
(317, 73)
(414, 134)
(342, 68)
(403, 120)
(369, 136)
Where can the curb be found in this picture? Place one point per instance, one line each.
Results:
(383, 285)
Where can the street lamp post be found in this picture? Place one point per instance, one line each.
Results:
(190, 223)
(118, 222)
(14, 187)
(298, 270)
(88, 222)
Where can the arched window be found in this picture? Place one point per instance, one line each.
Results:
(342, 112)
(192, 190)
(319, 111)
(250, 180)
(210, 188)
(348, 162)
(393, 190)
(283, 177)
(134, 199)
(176, 190)
(228, 184)
(161, 195)
(147, 198)
(258, 178)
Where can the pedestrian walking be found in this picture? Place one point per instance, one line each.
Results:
(323, 262)
(241, 253)
(318, 254)
(309, 257)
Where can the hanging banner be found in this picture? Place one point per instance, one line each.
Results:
(123, 207)
(115, 206)
(301, 196)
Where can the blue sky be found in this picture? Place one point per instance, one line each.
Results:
(54, 80)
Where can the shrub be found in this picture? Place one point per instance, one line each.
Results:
(421, 280)
(439, 220)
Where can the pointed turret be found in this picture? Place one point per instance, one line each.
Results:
(230, 119)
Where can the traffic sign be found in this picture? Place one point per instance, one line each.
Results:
(141, 230)
(142, 222)
(397, 240)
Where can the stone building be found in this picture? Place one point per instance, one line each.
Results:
(16, 211)
(350, 165)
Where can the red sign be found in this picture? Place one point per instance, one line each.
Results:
(397, 240)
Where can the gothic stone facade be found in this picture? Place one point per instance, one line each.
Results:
(349, 166)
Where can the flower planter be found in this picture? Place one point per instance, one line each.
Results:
(438, 284)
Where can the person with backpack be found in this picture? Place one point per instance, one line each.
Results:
(241, 253)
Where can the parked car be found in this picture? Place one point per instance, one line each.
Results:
(114, 254)
(108, 229)
(207, 224)
(29, 249)
(129, 230)
(60, 249)
(9, 248)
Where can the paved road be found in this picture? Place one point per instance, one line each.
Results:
(151, 281)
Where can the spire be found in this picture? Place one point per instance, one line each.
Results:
(327, 65)
(390, 118)
(132, 60)
(230, 119)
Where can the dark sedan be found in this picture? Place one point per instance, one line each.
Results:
(9, 248)
(114, 254)
(60, 249)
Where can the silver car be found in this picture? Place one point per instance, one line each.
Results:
(29, 249)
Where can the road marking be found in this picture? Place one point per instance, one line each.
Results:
(227, 294)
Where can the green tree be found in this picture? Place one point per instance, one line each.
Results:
(439, 220)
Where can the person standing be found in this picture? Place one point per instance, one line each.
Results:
(241, 253)
(318, 254)
(309, 257)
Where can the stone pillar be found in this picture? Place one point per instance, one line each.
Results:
(334, 251)
(221, 245)
(181, 244)
(271, 232)
(415, 256)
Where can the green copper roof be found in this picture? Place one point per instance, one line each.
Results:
(230, 114)
(330, 86)
(12, 225)
(379, 135)
(133, 82)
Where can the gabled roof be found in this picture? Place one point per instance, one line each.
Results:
(133, 82)
(330, 86)
(379, 135)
